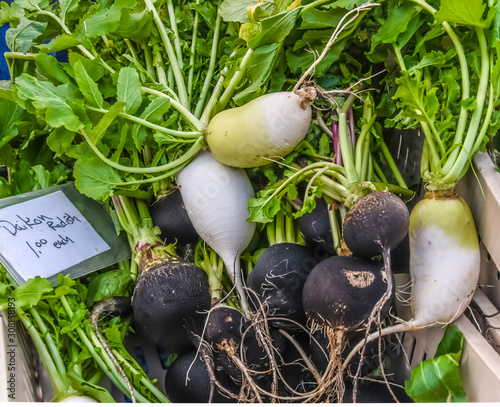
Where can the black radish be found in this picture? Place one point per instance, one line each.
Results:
(341, 291)
(189, 381)
(169, 213)
(170, 301)
(316, 230)
(224, 323)
(339, 297)
(223, 330)
(277, 280)
(377, 222)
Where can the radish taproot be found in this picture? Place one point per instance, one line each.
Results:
(263, 130)
(215, 197)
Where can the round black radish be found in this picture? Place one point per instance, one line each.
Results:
(255, 354)
(278, 278)
(170, 215)
(170, 303)
(188, 381)
(224, 323)
(316, 230)
(400, 256)
(379, 221)
(223, 330)
(341, 292)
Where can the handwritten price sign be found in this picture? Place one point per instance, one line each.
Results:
(47, 235)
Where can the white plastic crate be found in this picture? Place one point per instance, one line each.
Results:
(481, 190)
(480, 362)
(20, 364)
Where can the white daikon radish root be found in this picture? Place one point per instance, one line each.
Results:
(215, 197)
(265, 129)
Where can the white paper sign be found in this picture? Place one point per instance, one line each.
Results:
(46, 235)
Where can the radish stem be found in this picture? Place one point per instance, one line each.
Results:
(177, 72)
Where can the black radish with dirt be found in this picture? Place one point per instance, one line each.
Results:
(171, 296)
(170, 300)
(339, 297)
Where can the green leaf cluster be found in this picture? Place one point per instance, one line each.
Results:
(58, 320)
(438, 380)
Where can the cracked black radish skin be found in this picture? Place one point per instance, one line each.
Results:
(338, 297)
(341, 291)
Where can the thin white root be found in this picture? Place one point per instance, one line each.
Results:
(412, 325)
(338, 30)
(307, 361)
(94, 320)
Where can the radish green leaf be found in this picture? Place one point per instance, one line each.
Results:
(438, 380)
(20, 38)
(58, 102)
(129, 89)
(49, 67)
(95, 179)
(87, 86)
(467, 12)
